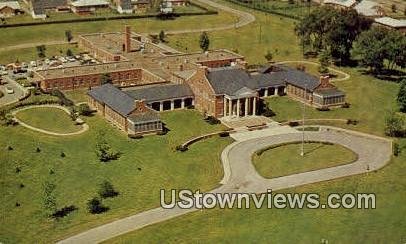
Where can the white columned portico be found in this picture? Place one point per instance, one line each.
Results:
(254, 106)
(238, 107)
(224, 107)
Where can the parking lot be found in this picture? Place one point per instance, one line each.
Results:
(18, 91)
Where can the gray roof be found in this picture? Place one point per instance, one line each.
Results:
(39, 6)
(126, 4)
(149, 116)
(367, 8)
(331, 92)
(12, 4)
(230, 80)
(395, 23)
(159, 93)
(113, 97)
(88, 3)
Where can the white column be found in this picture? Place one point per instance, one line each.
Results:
(230, 107)
(238, 107)
(276, 91)
(254, 106)
(183, 103)
(266, 92)
(246, 106)
(172, 105)
(161, 106)
(224, 107)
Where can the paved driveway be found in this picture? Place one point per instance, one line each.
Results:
(241, 176)
(10, 98)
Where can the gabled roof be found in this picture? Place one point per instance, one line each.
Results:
(391, 22)
(230, 80)
(39, 6)
(343, 3)
(126, 4)
(11, 4)
(149, 116)
(162, 92)
(331, 92)
(113, 97)
(87, 3)
(367, 8)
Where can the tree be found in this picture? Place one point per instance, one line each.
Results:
(330, 29)
(68, 35)
(103, 150)
(401, 99)
(69, 53)
(268, 56)
(41, 51)
(49, 199)
(395, 125)
(84, 109)
(107, 190)
(324, 60)
(394, 8)
(105, 79)
(204, 42)
(162, 36)
(379, 46)
(95, 206)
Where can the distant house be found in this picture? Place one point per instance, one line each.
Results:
(177, 2)
(129, 6)
(391, 23)
(343, 4)
(9, 9)
(38, 8)
(369, 9)
(88, 6)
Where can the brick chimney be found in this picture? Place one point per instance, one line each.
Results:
(140, 106)
(127, 39)
(325, 81)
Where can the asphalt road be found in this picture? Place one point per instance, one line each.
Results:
(10, 98)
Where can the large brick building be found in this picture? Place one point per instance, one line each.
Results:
(147, 78)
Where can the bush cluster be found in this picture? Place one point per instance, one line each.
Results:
(212, 120)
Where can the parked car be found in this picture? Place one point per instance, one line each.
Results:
(9, 90)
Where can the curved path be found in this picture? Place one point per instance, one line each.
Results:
(346, 76)
(85, 127)
(373, 153)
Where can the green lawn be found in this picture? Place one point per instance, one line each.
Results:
(50, 119)
(31, 54)
(53, 32)
(385, 224)
(286, 160)
(146, 166)
(77, 96)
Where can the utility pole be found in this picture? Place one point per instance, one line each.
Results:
(303, 123)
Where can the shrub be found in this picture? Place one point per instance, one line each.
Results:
(38, 150)
(293, 123)
(162, 133)
(18, 204)
(10, 148)
(95, 206)
(103, 150)
(352, 122)
(135, 136)
(190, 107)
(181, 148)
(224, 134)
(84, 110)
(345, 105)
(212, 120)
(323, 109)
(396, 149)
(63, 155)
(22, 185)
(60, 213)
(9, 120)
(107, 190)
(18, 170)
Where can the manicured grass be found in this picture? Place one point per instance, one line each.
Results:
(31, 54)
(52, 32)
(77, 96)
(146, 166)
(286, 159)
(385, 224)
(50, 119)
